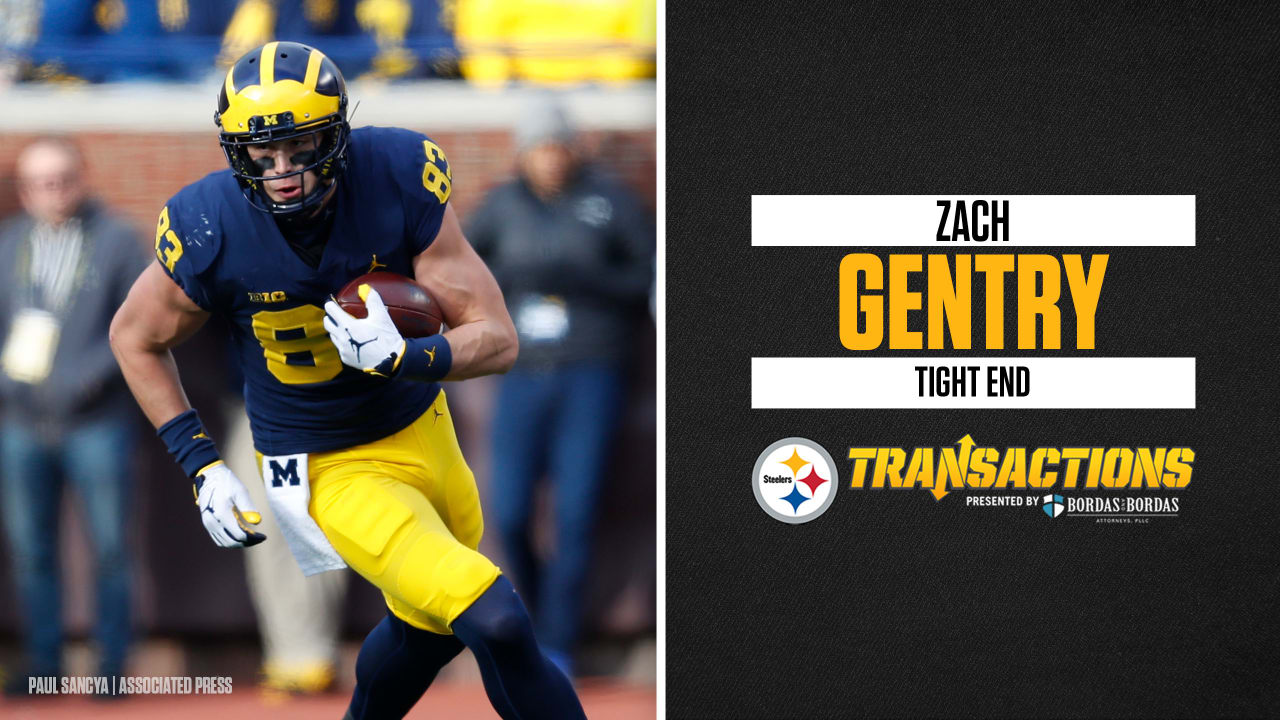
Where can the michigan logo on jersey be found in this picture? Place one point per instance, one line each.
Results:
(286, 474)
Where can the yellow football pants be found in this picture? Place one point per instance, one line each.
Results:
(404, 512)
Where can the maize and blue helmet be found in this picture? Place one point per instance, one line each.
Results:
(280, 91)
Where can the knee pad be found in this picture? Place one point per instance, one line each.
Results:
(441, 577)
(369, 525)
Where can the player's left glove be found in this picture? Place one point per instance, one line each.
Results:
(372, 344)
(226, 509)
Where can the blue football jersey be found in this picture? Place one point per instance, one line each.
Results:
(232, 260)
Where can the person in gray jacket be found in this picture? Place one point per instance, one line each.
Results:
(67, 264)
(573, 253)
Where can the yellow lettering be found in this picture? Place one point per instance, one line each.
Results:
(1085, 292)
(305, 354)
(1039, 458)
(1149, 466)
(1179, 466)
(950, 472)
(889, 461)
(1117, 467)
(1013, 469)
(949, 311)
(167, 254)
(860, 456)
(1031, 304)
(1071, 473)
(439, 182)
(1095, 468)
(994, 267)
(984, 469)
(952, 300)
(853, 306)
(901, 301)
(920, 467)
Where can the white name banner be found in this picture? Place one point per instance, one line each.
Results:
(974, 222)
(1013, 383)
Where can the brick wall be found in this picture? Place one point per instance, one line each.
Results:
(136, 173)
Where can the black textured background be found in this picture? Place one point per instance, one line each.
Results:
(892, 604)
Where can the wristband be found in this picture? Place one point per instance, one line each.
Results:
(188, 443)
(426, 359)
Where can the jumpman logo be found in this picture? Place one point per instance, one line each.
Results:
(438, 415)
(355, 345)
(375, 264)
(431, 353)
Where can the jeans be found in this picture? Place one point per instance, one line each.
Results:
(559, 422)
(94, 458)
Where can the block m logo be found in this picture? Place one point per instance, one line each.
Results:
(288, 473)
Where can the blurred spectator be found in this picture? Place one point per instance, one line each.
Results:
(557, 41)
(298, 617)
(545, 41)
(18, 22)
(67, 414)
(109, 40)
(573, 253)
(253, 24)
(383, 38)
(112, 40)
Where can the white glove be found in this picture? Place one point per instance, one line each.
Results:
(226, 510)
(372, 344)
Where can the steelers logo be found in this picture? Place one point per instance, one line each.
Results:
(795, 480)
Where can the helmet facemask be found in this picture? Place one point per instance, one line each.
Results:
(280, 92)
(326, 158)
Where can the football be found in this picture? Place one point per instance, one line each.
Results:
(411, 307)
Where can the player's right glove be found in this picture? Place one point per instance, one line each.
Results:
(226, 509)
(372, 343)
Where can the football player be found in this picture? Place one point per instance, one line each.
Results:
(346, 414)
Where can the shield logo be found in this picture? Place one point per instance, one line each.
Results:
(1052, 505)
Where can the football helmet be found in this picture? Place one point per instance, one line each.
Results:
(279, 91)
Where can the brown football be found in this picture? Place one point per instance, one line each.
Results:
(411, 307)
